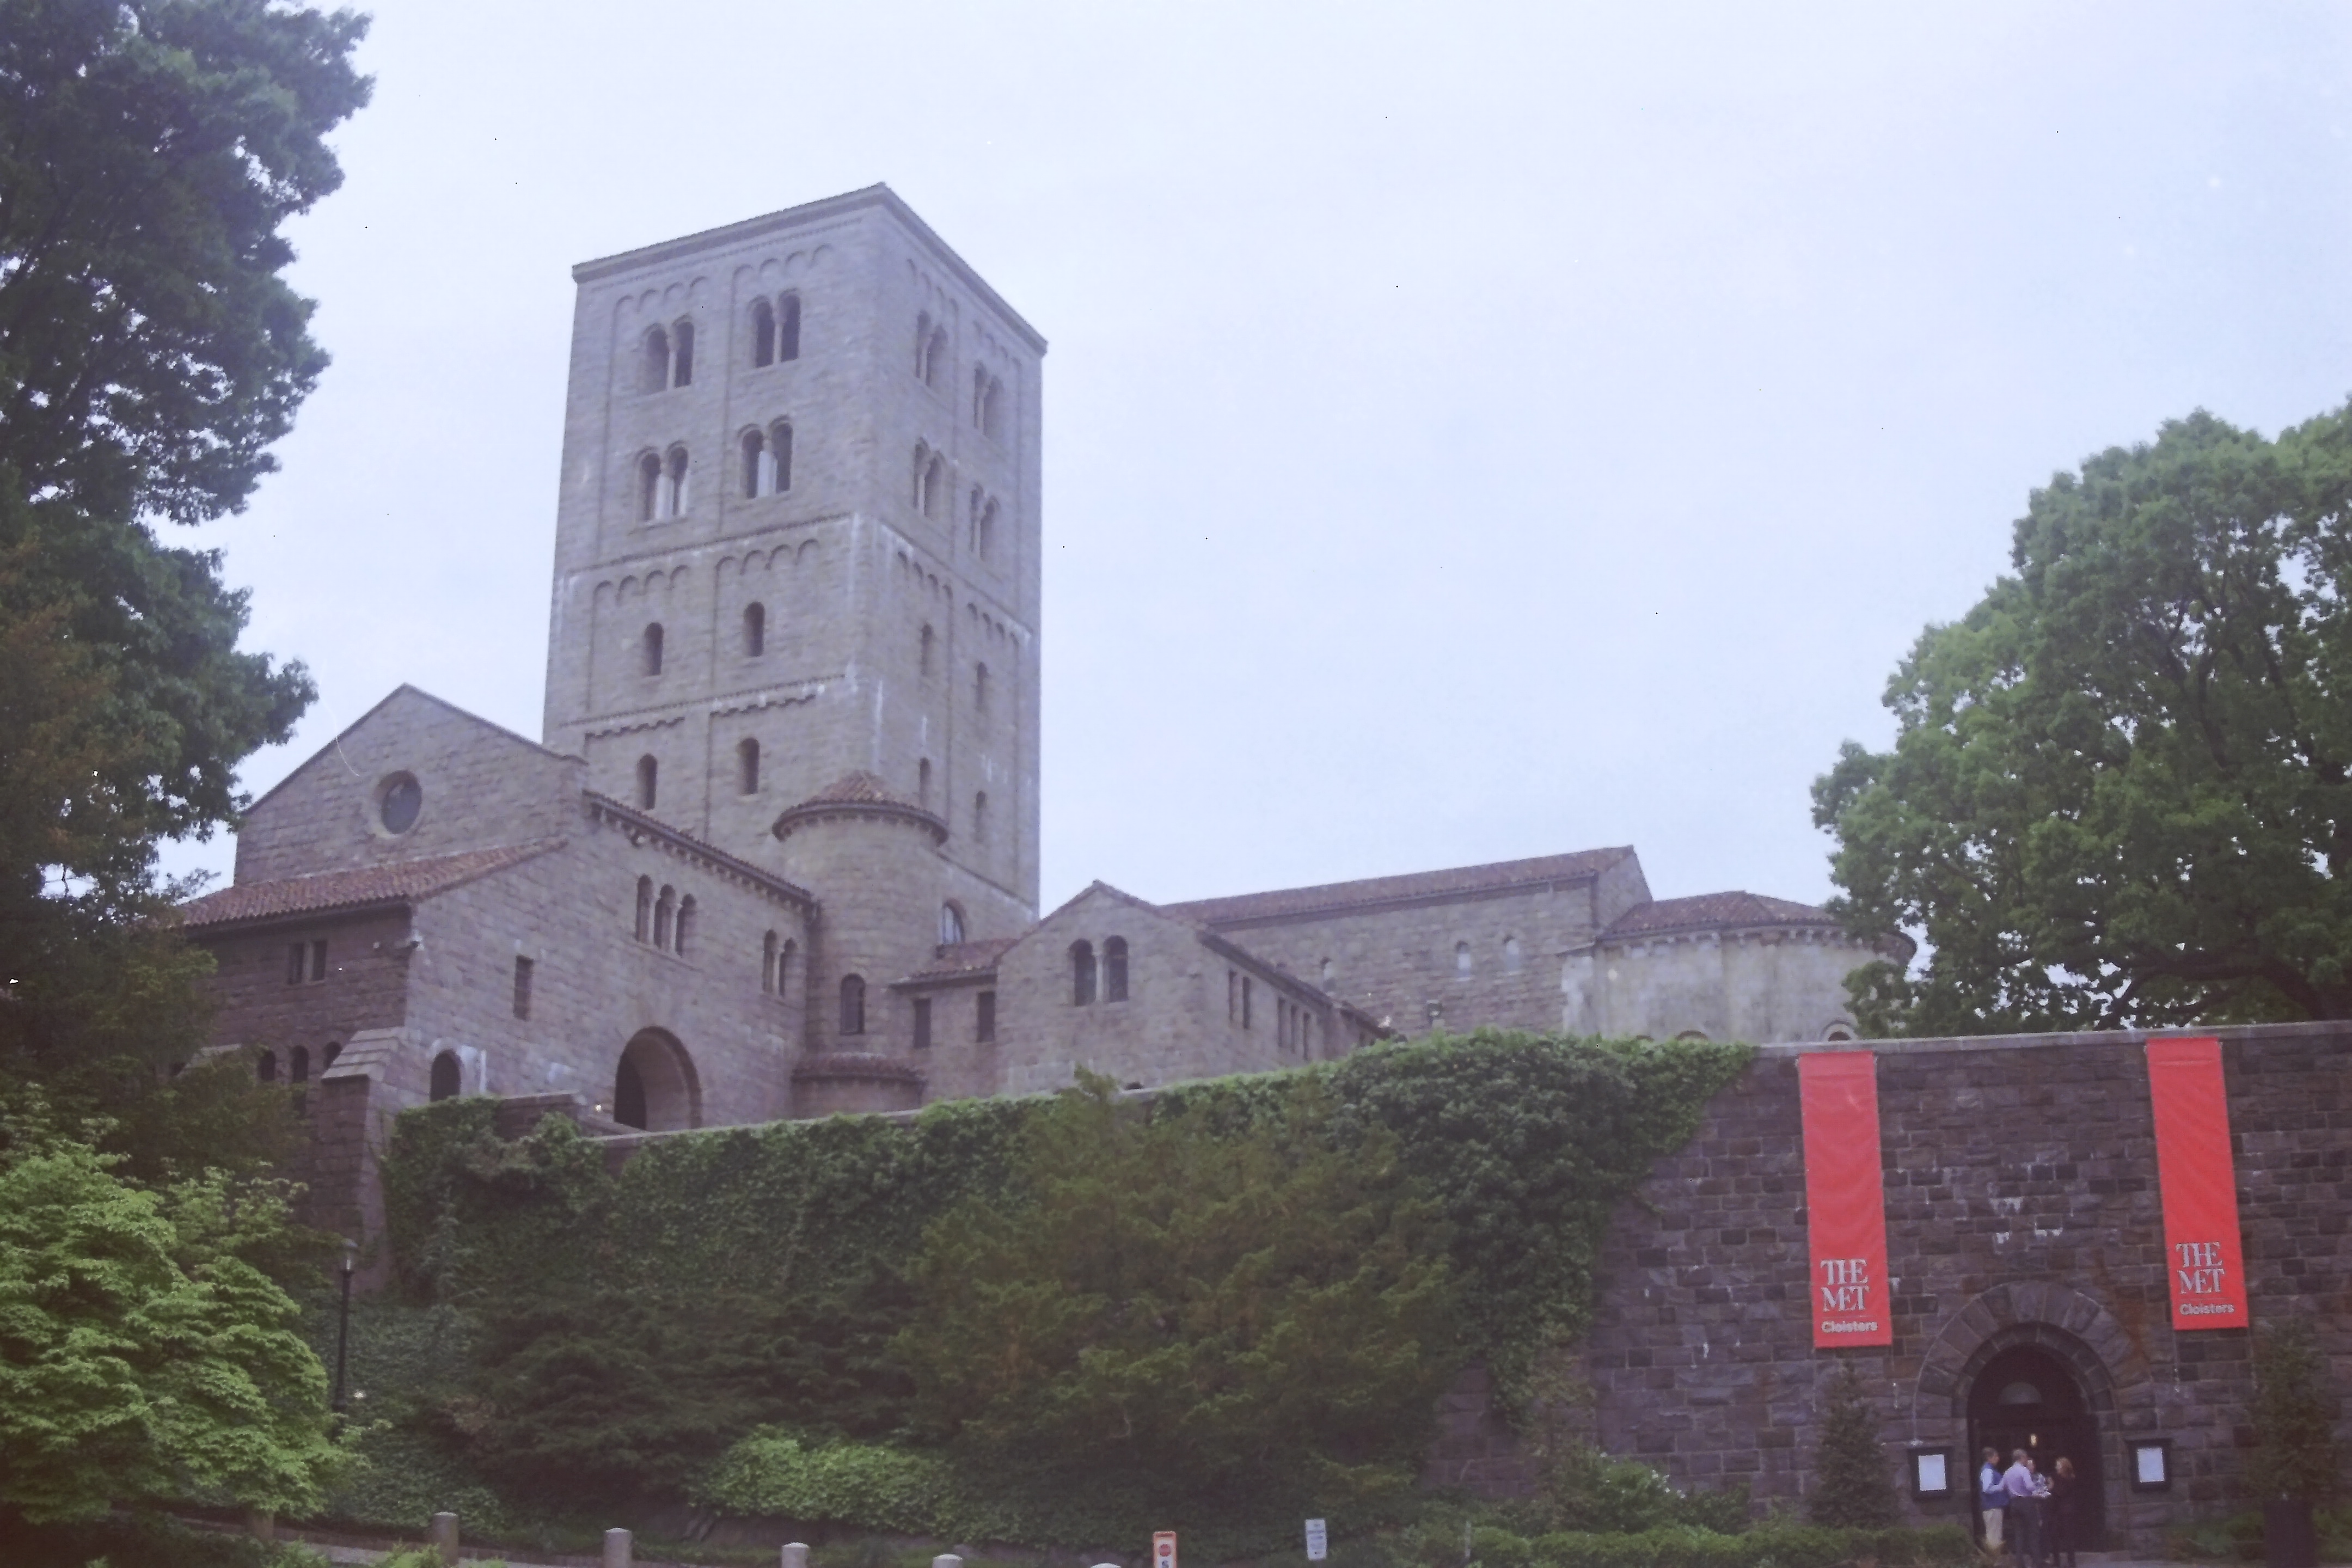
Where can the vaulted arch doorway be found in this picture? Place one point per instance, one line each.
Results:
(654, 1087)
(2026, 1397)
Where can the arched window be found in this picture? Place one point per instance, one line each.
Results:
(984, 533)
(853, 1004)
(784, 968)
(684, 932)
(923, 346)
(1114, 974)
(929, 637)
(645, 908)
(649, 487)
(1082, 974)
(979, 393)
(936, 358)
(674, 484)
(950, 923)
(665, 916)
(923, 783)
(763, 333)
(656, 372)
(755, 630)
(1839, 1032)
(768, 963)
(1461, 958)
(922, 468)
(756, 480)
(648, 775)
(980, 818)
(649, 649)
(265, 1068)
(298, 1065)
(1515, 958)
(682, 359)
(988, 412)
(779, 456)
(979, 690)
(447, 1081)
(788, 326)
(935, 486)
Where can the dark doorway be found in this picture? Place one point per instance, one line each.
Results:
(2027, 1398)
(628, 1095)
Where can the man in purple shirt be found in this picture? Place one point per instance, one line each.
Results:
(2023, 1525)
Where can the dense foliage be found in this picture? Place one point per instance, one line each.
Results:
(2295, 1409)
(145, 1354)
(2121, 787)
(1852, 1489)
(1047, 1274)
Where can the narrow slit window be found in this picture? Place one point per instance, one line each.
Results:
(767, 964)
(979, 690)
(922, 1023)
(763, 333)
(950, 923)
(297, 964)
(779, 457)
(649, 649)
(648, 779)
(318, 959)
(747, 766)
(756, 483)
(298, 1065)
(650, 488)
(853, 1004)
(645, 908)
(522, 968)
(980, 818)
(1114, 959)
(788, 326)
(923, 783)
(923, 346)
(265, 1068)
(675, 484)
(684, 355)
(984, 1017)
(1082, 974)
(755, 630)
(684, 935)
(929, 638)
(656, 375)
(665, 916)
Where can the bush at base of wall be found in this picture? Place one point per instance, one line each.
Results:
(1774, 1545)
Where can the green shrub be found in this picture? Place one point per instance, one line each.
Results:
(1851, 1486)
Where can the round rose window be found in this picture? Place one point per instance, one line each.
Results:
(403, 799)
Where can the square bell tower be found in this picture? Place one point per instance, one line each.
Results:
(798, 536)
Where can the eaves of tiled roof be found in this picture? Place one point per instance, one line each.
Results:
(1378, 892)
(365, 886)
(1714, 912)
(960, 961)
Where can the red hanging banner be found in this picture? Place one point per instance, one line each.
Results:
(2199, 1184)
(1845, 1199)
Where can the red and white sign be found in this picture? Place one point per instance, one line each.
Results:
(2199, 1184)
(1845, 1199)
(1163, 1549)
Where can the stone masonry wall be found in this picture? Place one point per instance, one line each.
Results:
(2023, 1208)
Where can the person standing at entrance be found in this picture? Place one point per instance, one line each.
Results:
(1992, 1500)
(2023, 1526)
(2065, 1515)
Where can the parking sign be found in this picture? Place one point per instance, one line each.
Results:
(1163, 1549)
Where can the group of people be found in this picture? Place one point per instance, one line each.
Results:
(2035, 1515)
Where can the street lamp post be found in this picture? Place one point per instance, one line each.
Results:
(343, 1325)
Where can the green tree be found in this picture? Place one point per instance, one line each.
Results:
(150, 352)
(1248, 1312)
(145, 1354)
(1850, 1483)
(2296, 1454)
(2121, 787)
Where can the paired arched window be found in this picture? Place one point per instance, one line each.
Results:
(649, 649)
(669, 356)
(746, 765)
(853, 1004)
(1114, 969)
(662, 485)
(648, 777)
(447, 1079)
(1082, 972)
(950, 923)
(930, 351)
(767, 460)
(775, 329)
(755, 630)
(645, 908)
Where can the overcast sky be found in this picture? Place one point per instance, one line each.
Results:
(1471, 431)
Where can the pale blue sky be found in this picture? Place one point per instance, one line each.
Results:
(1472, 431)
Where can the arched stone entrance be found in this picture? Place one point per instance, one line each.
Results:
(2026, 1397)
(653, 1086)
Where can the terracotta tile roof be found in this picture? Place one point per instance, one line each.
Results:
(855, 789)
(400, 882)
(961, 959)
(858, 1065)
(1456, 881)
(1715, 910)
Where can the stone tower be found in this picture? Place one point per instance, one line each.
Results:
(798, 540)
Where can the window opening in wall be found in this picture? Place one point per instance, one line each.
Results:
(645, 908)
(979, 392)
(763, 333)
(984, 542)
(1515, 958)
(628, 1094)
(649, 650)
(446, 1080)
(1114, 957)
(922, 1023)
(298, 1065)
(988, 407)
(979, 690)
(755, 630)
(1461, 958)
(747, 766)
(1327, 971)
(685, 926)
(983, 1016)
(649, 487)
(1246, 1002)
(665, 916)
(522, 968)
(923, 345)
(318, 959)
(784, 959)
(929, 638)
(930, 481)
(757, 474)
(1232, 997)
(779, 457)
(788, 326)
(683, 356)
(266, 1067)
(297, 963)
(767, 964)
(648, 777)
(853, 1004)
(1082, 974)
(403, 799)
(923, 783)
(657, 370)
(980, 818)
(950, 923)
(675, 499)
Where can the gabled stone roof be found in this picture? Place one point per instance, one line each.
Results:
(1707, 912)
(1333, 897)
(962, 959)
(399, 881)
